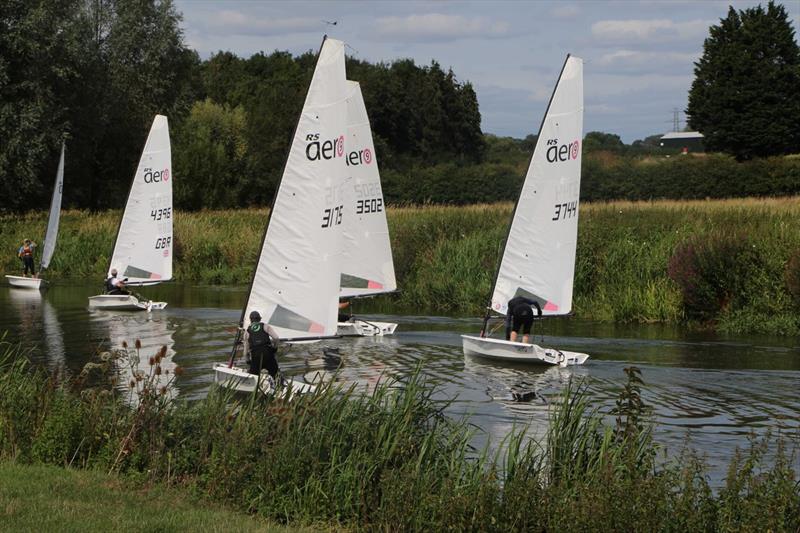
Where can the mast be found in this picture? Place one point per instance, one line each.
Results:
(54, 216)
(274, 197)
(487, 316)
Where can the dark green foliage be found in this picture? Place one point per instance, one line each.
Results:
(792, 276)
(597, 140)
(744, 96)
(716, 274)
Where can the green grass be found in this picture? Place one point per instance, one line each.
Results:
(386, 458)
(50, 498)
(445, 256)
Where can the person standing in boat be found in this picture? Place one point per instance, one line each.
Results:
(344, 316)
(519, 318)
(262, 342)
(25, 253)
(114, 285)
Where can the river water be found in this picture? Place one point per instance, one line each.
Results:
(713, 391)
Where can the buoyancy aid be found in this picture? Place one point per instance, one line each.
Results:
(257, 337)
(26, 251)
(110, 283)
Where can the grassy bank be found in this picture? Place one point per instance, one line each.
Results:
(386, 459)
(51, 498)
(739, 256)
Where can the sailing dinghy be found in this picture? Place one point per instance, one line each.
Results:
(539, 257)
(295, 285)
(50, 236)
(143, 249)
(367, 266)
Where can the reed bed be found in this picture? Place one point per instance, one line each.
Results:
(389, 458)
(446, 256)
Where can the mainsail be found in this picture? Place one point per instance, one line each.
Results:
(295, 287)
(55, 215)
(143, 251)
(367, 266)
(539, 257)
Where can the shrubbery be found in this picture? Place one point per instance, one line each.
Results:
(388, 458)
(713, 273)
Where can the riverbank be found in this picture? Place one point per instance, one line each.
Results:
(738, 257)
(384, 458)
(52, 498)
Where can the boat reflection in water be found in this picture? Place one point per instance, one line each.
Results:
(140, 338)
(39, 326)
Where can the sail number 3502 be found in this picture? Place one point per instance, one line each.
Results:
(332, 216)
(372, 205)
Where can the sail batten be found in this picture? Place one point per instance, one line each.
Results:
(367, 266)
(296, 281)
(54, 218)
(143, 249)
(538, 261)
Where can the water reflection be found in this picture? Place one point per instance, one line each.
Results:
(38, 324)
(154, 334)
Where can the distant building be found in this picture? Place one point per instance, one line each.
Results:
(685, 141)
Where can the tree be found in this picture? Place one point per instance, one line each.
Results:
(211, 155)
(744, 98)
(597, 140)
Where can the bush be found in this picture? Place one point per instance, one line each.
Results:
(713, 273)
(792, 276)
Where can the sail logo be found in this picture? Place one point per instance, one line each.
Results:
(325, 149)
(562, 152)
(359, 157)
(155, 176)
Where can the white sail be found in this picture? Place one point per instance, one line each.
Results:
(539, 257)
(367, 266)
(55, 215)
(296, 284)
(143, 251)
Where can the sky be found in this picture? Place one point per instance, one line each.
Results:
(638, 56)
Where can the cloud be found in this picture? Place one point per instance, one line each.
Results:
(438, 27)
(649, 31)
(236, 23)
(627, 61)
(565, 12)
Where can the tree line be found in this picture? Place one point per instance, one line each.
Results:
(93, 73)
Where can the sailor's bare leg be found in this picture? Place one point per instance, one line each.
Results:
(525, 339)
(513, 336)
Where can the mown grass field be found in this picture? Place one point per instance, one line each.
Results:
(446, 257)
(50, 498)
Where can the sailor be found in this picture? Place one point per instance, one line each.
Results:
(26, 254)
(519, 318)
(344, 316)
(114, 285)
(262, 342)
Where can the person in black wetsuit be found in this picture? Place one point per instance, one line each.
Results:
(114, 285)
(519, 318)
(263, 345)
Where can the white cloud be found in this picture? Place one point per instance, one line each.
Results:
(237, 23)
(643, 61)
(652, 30)
(565, 11)
(438, 27)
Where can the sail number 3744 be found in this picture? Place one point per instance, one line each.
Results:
(565, 210)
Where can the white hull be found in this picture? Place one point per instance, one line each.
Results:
(241, 380)
(123, 302)
(364, 328)
(520, 352)
(22, 282)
